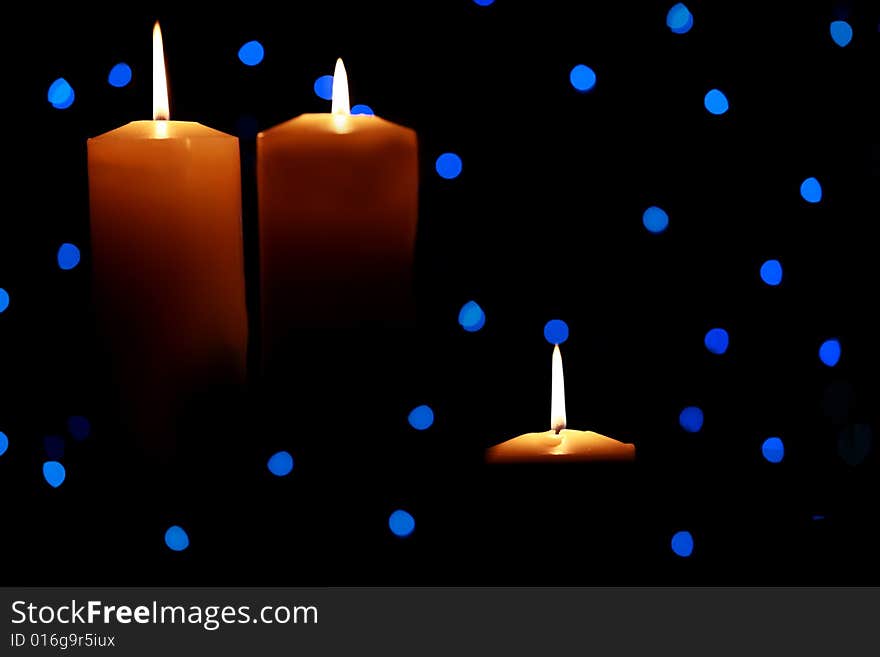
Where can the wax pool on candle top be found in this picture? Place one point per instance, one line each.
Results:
(568, 445)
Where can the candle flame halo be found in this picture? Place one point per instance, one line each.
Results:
(557, 393)
(161, 110)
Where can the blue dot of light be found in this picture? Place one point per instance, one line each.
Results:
(176, 538)
(556, 331)
(679, 19)
(811, 190)
(484, 3)
(682, 543)
(421, 417)
(401, 523)
(251, 53)
(655, 219)
(61, 94)
(448, 166)
(4, 443)
(79, 427)
(716, 102)
(773, 450)
(280, 464)
(63, 106)
(324, 87)
(471, 317)
(841, 33)
(54, 473)
(4, 299)
(362, 109)
(717, 340)
(691, 419)
(582, 77)
(120, 75)
(54, 446)
(68, 256)
(829, 352)
(771, 272)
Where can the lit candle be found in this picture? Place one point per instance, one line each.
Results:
(168, 270)
(338, 204)
(560, 444)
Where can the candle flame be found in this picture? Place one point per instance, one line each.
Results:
(160, 82)
(340, 103)
(557, 395)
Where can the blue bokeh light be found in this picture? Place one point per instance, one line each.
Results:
(448, 166)
(655, 219)
(120, 75)
(773, 450)
(61, 94)
(280, 464)
(176, 538)
(829, 352)
(484, 3)
(251, 53)
(360, 108)
(582, 78)
(4, 299)
(324, 87)
(556, 331)
(4, 443)
(54, 446)
(682, 543)
(401, 523)
(691, 419)
(717, 340)
(679, 19)
(68, 256)
(716, 102)
(841, 33)
(421, 417)
(54, 473)
(79, 427)
(771, 272)
(471, 317)
(811, 190)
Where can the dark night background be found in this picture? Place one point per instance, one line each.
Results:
(544, 222)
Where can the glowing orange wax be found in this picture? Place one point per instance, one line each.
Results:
(338, 206)
(560, 445)
(167, 260)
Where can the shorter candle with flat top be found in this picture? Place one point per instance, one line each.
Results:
(560, 445)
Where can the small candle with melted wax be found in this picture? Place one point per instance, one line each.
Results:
(559, 445)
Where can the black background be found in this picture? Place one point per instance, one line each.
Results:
(544, 222)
